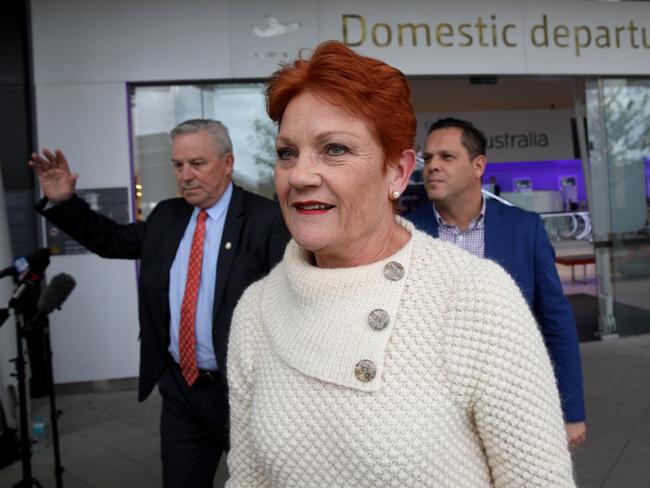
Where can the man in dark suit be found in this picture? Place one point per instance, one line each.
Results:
(454, 164)
(197, 255)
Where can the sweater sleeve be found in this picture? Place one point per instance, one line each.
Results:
(516, 405)
(244, 471)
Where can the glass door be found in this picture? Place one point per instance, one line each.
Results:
(618, 124)
(155, 110)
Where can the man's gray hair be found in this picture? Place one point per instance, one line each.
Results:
(216, 129)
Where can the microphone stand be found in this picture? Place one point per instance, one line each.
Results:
(25, 440)
(17, 303)
(54, 413)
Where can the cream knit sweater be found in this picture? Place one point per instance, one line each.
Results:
(463, 396)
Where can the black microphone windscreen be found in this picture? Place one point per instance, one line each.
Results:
(39, 260)
(56, 292)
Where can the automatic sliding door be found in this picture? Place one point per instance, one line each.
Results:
(618, 114)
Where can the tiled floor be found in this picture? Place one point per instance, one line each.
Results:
(617, 388)
(107, 440)
(110, 440)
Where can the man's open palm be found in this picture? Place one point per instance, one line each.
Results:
(53, 171)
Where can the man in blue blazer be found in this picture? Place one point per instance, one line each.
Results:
(454, 164)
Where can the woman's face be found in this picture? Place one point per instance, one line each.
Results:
(330, 183)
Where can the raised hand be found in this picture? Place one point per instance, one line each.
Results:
(53, 171)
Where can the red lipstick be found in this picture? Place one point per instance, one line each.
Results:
(312, 207)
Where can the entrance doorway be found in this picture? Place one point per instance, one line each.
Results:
(577, 151)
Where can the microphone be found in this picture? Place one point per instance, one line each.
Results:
(52, 298)
(29, 271)
(56, 293)
(36, 261)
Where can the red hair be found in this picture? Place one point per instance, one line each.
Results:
(365, 87)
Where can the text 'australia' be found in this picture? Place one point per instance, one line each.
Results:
(510, 141)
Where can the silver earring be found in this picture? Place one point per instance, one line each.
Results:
(395, 194)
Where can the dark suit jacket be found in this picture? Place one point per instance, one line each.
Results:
(254, 226)
(516, 239)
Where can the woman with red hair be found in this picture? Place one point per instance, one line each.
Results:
(374, 355)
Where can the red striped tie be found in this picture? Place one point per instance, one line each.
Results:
(187, 334)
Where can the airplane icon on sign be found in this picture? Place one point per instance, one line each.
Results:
(275, 27)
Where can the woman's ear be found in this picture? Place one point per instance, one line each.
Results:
(400, 173)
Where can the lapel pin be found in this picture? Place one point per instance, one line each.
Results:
(228, 246)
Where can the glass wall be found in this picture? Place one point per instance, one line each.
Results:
(618, 114)
(155, 110)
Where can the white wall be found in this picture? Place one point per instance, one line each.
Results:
(95, 335)
(92, 41)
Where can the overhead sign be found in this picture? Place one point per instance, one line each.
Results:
(422, 37)
(517, 135)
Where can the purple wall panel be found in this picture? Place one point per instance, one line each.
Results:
(544, 175)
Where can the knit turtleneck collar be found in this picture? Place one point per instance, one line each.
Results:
(317, 318)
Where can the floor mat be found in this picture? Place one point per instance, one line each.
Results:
(585, 312)
(630, 320)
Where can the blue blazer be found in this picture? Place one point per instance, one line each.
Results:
(516, 239)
